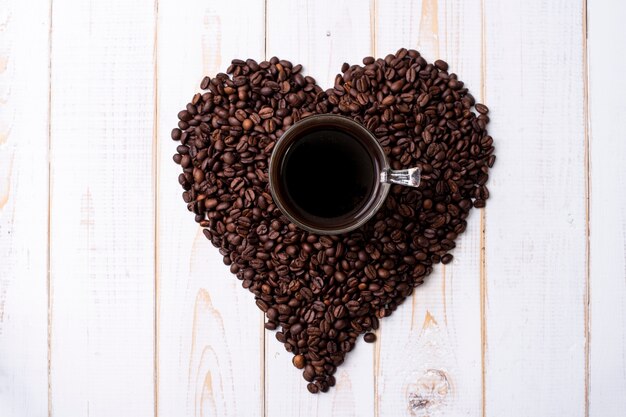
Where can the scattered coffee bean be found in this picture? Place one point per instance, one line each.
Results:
(369, 337)
(322, 292)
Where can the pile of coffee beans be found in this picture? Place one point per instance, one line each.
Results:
(322, 292)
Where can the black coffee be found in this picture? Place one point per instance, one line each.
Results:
(328, 174)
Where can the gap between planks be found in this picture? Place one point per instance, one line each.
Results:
(587, 204)
(373, 27)
(483, 218)
(156, 153)
(49, 219)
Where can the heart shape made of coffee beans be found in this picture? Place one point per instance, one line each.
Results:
(323, 291)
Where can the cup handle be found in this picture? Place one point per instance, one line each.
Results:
(409, 177)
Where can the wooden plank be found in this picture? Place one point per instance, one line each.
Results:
(209, 330)
(24, 74)
(535, 268)
(430, 347)
(102, 208)
(607, 360)
(320, 35)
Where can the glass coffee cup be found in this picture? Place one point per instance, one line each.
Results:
(329, 175)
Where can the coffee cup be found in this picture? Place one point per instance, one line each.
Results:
(329, 175)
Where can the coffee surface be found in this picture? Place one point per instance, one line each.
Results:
(328, 175)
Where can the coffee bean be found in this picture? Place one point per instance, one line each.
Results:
(340, 324)
(296, 329)
(298, 361)
(369, 337)
(321, 292)
(185, 116)
(442, 65)
(339, 311)
(272, 313)
(481, 108)
(205, 83)
(309, 373)
(446, 259)
(266, 113)
(198, 175)
(262, 305)
(284, 309)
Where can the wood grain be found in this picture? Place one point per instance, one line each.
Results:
(320, 35)
(102, 208)
(536, 220)
(209, 330)
(430, 359)
(607, 361)
(24, 59)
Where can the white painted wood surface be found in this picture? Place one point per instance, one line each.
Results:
(102, 208)
(112, 303)
(24, 84)
(535, 257)
(607, 214)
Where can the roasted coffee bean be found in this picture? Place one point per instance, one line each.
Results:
(442, 65)
(298, 361)
(205, 83)
(266, 113)
(369, 337)
(481, 108)
(446, 259)
(262, 305)
(284, 309)
(321, 292)
(272, 313)
(339, 311)
(296, 329)
(309, 372)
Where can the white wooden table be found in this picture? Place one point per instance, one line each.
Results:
(112, 303)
